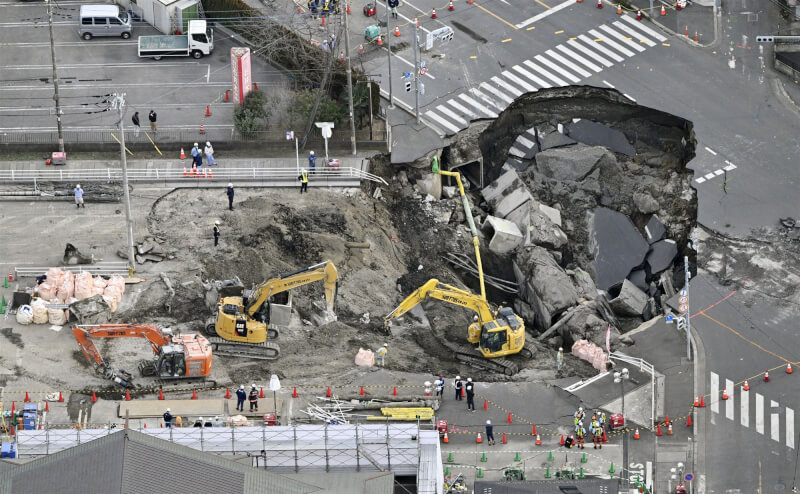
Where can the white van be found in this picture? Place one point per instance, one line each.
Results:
(103, 20)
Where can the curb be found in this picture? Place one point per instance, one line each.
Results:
(687, 40)
(699, 426)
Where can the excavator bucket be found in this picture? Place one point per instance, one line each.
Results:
(435, 163)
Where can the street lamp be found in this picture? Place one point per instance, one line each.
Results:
(676, 474)
(620, 377)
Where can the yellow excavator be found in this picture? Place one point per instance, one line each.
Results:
(497, 333)
(242, 326)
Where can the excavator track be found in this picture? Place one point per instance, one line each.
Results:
(258, 351)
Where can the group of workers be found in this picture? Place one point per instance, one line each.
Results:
(170, 419)
(323, 7)
(596, 428)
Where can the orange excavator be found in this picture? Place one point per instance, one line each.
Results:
(177, 357)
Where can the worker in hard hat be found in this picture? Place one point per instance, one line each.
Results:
(459, 385)
(230, 196)
(312, 161)
(79, 197)
(216, 232)
(241, 395)
(253, 398)
(303, 178)
(167, 418)
(209, 152)
(470, 394)
(489, 433)
(382, 353)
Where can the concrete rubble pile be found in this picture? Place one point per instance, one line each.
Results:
(148, 249)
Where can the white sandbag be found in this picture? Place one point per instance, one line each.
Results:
(83, 285)
(112, 302)
(39, 307)
(48, 291)
(56, 316)
(365, 358)
(25, 314)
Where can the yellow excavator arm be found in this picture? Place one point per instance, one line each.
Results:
(325, 271)
(445, 293)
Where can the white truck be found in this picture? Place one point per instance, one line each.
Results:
(199, 41)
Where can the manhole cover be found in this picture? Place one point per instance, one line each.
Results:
(752, 17)
(780, 487)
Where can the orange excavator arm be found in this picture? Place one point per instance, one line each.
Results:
(85, 333)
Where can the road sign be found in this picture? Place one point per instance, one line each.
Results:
(689, 477)
(421, 88)
(407, 75)
(684, 293)
(289, 135)
(669, 319)
(325, 127)
(443, 34)
(684, 299)
(684, 308)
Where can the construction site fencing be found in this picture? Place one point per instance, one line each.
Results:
(296, 448)
(322, 174)
(106, 269)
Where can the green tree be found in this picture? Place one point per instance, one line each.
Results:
(254, 114)
(327, 111)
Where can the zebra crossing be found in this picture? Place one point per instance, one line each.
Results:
(567, 63)
(760, 412)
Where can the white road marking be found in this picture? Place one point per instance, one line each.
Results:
(608, 84)
(544, 14)
(427, 74)
(558, 69)
(745, 408)
(729, 402)
(477, 105)
(579, 58)
(714, 398)
(409, 20)
(622, 38)
(598, 45)
(525, 142)
(463, 109)
(718, 172)
(730, 166)
(532, 77)
(508, 87)
(633, 34)
(516, 152)
(485, 98)
(759, 413)
(629, 97)
(497, 93)
(564, 61)
(518, 81)
(700, 180)
(643, 28)
(611, 43)
(710, 150)
(441, 121)
(789, 427)
(589, 52)
(451, 114)
(775, 422)
(709, 176)
(557, 80)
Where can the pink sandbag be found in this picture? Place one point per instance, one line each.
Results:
(67, 287)
(588, 351)
(113, 292)
(117, 281)
(83, 285)
(365, 358)
(48, 291)
(55, 276)
(99, 282)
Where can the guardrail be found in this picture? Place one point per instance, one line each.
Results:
(180, 174)
(108, 269)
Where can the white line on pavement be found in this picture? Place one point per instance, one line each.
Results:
(745, 408)
(441, 121)
(508, 75)
(569, 64)
(477, 105)
(598, 45)
(729, 403)
(711, 150)
(789, 427)
(629, 97)
(451, 114)
(759, 413)
(530, 76)
(589, 52)
(611, 43)
(579, 58)
(700, 180)
(508, 87)
(775, 422)
(643, 28)
(714, 392)
(558, 69)
(608, 84)
(463, 109)
(622, 38)
(718, 172)
(485, 98)
(525, 142)
(544, 14)
(709, 176)
(496, 92)
(633, 33)
(409, 19)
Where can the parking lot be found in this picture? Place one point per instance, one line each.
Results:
(177, 88)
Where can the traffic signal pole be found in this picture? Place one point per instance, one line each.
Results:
(416, 72)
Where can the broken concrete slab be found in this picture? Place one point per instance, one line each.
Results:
(495, 191)
(639, 278)
(541, 231)
(631, 301)
(552, 213)
(92, 310)
(505, 235)
(555, 140)
(573, 164)
(661, 256)
(584, 283)
(597, 134)
(512, 201)
(654, 230)
(617, 247)
(544, 284)
(645, 203)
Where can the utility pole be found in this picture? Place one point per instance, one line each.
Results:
(119, 104)
(389, 53)
(349, 85)
(416, 72)
(55, 77)
(688, 312)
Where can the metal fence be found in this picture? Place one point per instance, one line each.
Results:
(107, 268)
(791, 60)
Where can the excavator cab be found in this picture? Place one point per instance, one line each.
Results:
(503, 336)
(171, 362)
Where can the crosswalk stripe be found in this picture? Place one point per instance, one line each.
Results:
(759, 413)
(441, 121)
(518, 81)
(451, 114)
(598, 45)
(532, 77)
(508, 87)
(486, 99)
(611, 43)
(558, 81)
(579, 58)
(564, 61)
(714, 392)
(496, 92)
(477, 105)
(516, 152)
(525, 142)
(729, 403)
(634, 34)
(789, 427)
(744, 414)
(644, 28)
(558, 69)
(775, 422)
(621, 37)
(589, 52)
(463, 109)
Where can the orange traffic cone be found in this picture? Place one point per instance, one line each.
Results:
(636, 434)
(10, 274)
(766, 376)
(746, 386)
(533, 431)
(463, 394)
(450, 6)
(208, 110)
(361, 47)
(60, 397)
(328, 392)
(446, 439)
(580, 1)
(689, 420)
(788, 368)
(666, 420)
(702, 402)
(479, 439)
(695, 36)
(485, 404)
(658, 430)
(669, 430)
(210, 172)
(724, 394)
(348, 8)
(361, 392)
(127, 395)
(183, 155)
(323, 21)
(227, 95)
(562, 440)
(261, 392)
(94, 397)
(686, 33)
(416, 21)
(605, 438)
(696, 401)
(397, 30)
(294, 393)
(46, 406)
(433, 14)
(160, 394)
(13, 407)
(619, 9)
(380, 40)
(27, 398)
(202, 129)
(394, 391)
(663, 10)
(227, 393)
(509, 420)
(255, 86)
(678, 5)
(639, 15)
(185, 173)
(11, 430)
(538, 440)
(599, 4)
(299, 10)
(194, 394)
(504, 440)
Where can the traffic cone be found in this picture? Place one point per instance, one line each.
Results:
(11, 430)
(450, 458)
(361, 392)
(516, 457)
(550, 456)
(60, 397)
(397, 30)
(480, 473)
(185, 173)
(562, 440)
(702, 402)
(663, 10)
(689, 420)
(433, 14)
(582, 475)
(658, 430)
(485, 404)
(394, 391)
(13, 408)
(416, 21)
(94, 397)
(484, 459)
(479, 439)
(255, 86)
(202, 129)
(160, 394)
(463, 394)
(127, 395)
(605, 438)
(261, 392)
(227, 393)
(509, 420)
(636, 434)
(323, 21)
(695, 36)
(611, 470)
(547, 469)
(697, 401)
(205, 173)
(584, 459)
(619, 9)
(538, 440)
(208, 110)
(599, 4)
(766, 376)
(210, 172)
(10, 274)
(227, 94)
(746, 386)
(666, 420)
(533, 430)
(361, 47)
(639, 15)
(504, 440)
(299, 10)
(328, 392)
(686, 33)
(446, 439)
(678, 5)
(46, 406)
(669, 431)
(294, 393)
(27, 398)
(194, 394)
(450, 6)
(788, 368)
(183, 155)
(348, 8)
(724, 394)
